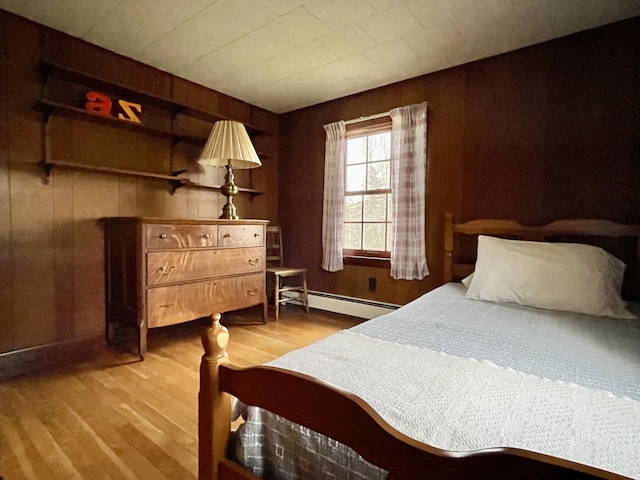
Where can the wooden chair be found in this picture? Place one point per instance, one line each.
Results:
(279, 272)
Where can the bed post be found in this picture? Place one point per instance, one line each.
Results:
(448, 247)
(214, 406)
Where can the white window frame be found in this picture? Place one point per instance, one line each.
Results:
(366, 129)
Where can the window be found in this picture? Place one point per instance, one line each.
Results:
(362, 221)
(367, 212)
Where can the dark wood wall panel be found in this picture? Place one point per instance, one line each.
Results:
(504, 136)
(32, 234)
(539, 134)
(93, 198)
(64, 245)
(6, 291)
(592, 141)
(51, 238)
(445, 122)
(265, 178)
(301, 175)
(63, 49)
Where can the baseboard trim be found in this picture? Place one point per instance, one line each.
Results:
(355, 307)
(41, 357)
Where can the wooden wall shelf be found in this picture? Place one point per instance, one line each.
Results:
(72, 79)
(175, 181)
(48, 68)
(49, 107)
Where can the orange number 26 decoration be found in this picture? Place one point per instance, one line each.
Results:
(102, 105)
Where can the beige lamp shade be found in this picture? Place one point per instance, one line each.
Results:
(229, 144)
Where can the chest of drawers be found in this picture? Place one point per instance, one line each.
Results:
(161, 272)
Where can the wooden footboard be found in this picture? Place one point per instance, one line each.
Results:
(349, 420)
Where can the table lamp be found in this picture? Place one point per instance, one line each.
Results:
(229, 146)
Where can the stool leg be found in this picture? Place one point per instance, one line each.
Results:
(276, 296)
(306, 293)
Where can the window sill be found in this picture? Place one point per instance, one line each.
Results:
(367, 261)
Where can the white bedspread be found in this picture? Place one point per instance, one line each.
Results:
(459, 403)
(481, 375)
(595, 352)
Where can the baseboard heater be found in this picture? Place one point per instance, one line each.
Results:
(356, 307)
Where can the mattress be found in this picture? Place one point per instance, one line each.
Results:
(460, 374)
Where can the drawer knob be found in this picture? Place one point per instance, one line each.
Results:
(166, 271)
(256, 235)
(227, 235)
(254, 262)
(251, 293)
(206, 235)
(163, 235)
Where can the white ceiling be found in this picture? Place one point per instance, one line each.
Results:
(286, 54)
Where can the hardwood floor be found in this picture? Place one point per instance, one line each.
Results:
(114, 417)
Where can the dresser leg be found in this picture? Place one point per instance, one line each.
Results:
(142, 346)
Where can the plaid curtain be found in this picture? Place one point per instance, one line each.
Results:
(408, 184)
(333, 202)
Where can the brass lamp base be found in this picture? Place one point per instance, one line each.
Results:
(229, 189)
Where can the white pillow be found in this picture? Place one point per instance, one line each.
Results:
(466, 281)
(557, 276)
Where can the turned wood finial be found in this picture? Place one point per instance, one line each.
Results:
(214, 406)
(215, 339)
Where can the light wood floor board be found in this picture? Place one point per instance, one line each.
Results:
(113, 417)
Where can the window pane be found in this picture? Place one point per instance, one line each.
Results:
(374, 236)
(375, 208)
(356, 177)
(353, 208)
(352, 236)
(378, 175)
(379, 146)
(356, 150)
(389, 237)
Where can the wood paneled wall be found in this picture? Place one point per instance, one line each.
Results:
(547, 132)
(51, 240)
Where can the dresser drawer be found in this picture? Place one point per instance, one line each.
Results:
(240, 292)
(174, 267)
(180, 303)
(240, 235)
(162, 237)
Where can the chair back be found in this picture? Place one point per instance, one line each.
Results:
(274, 246)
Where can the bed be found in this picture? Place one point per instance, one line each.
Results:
(468, 381)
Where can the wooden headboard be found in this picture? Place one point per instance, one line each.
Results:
(513, 229)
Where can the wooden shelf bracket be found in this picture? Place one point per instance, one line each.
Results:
(46, 168)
